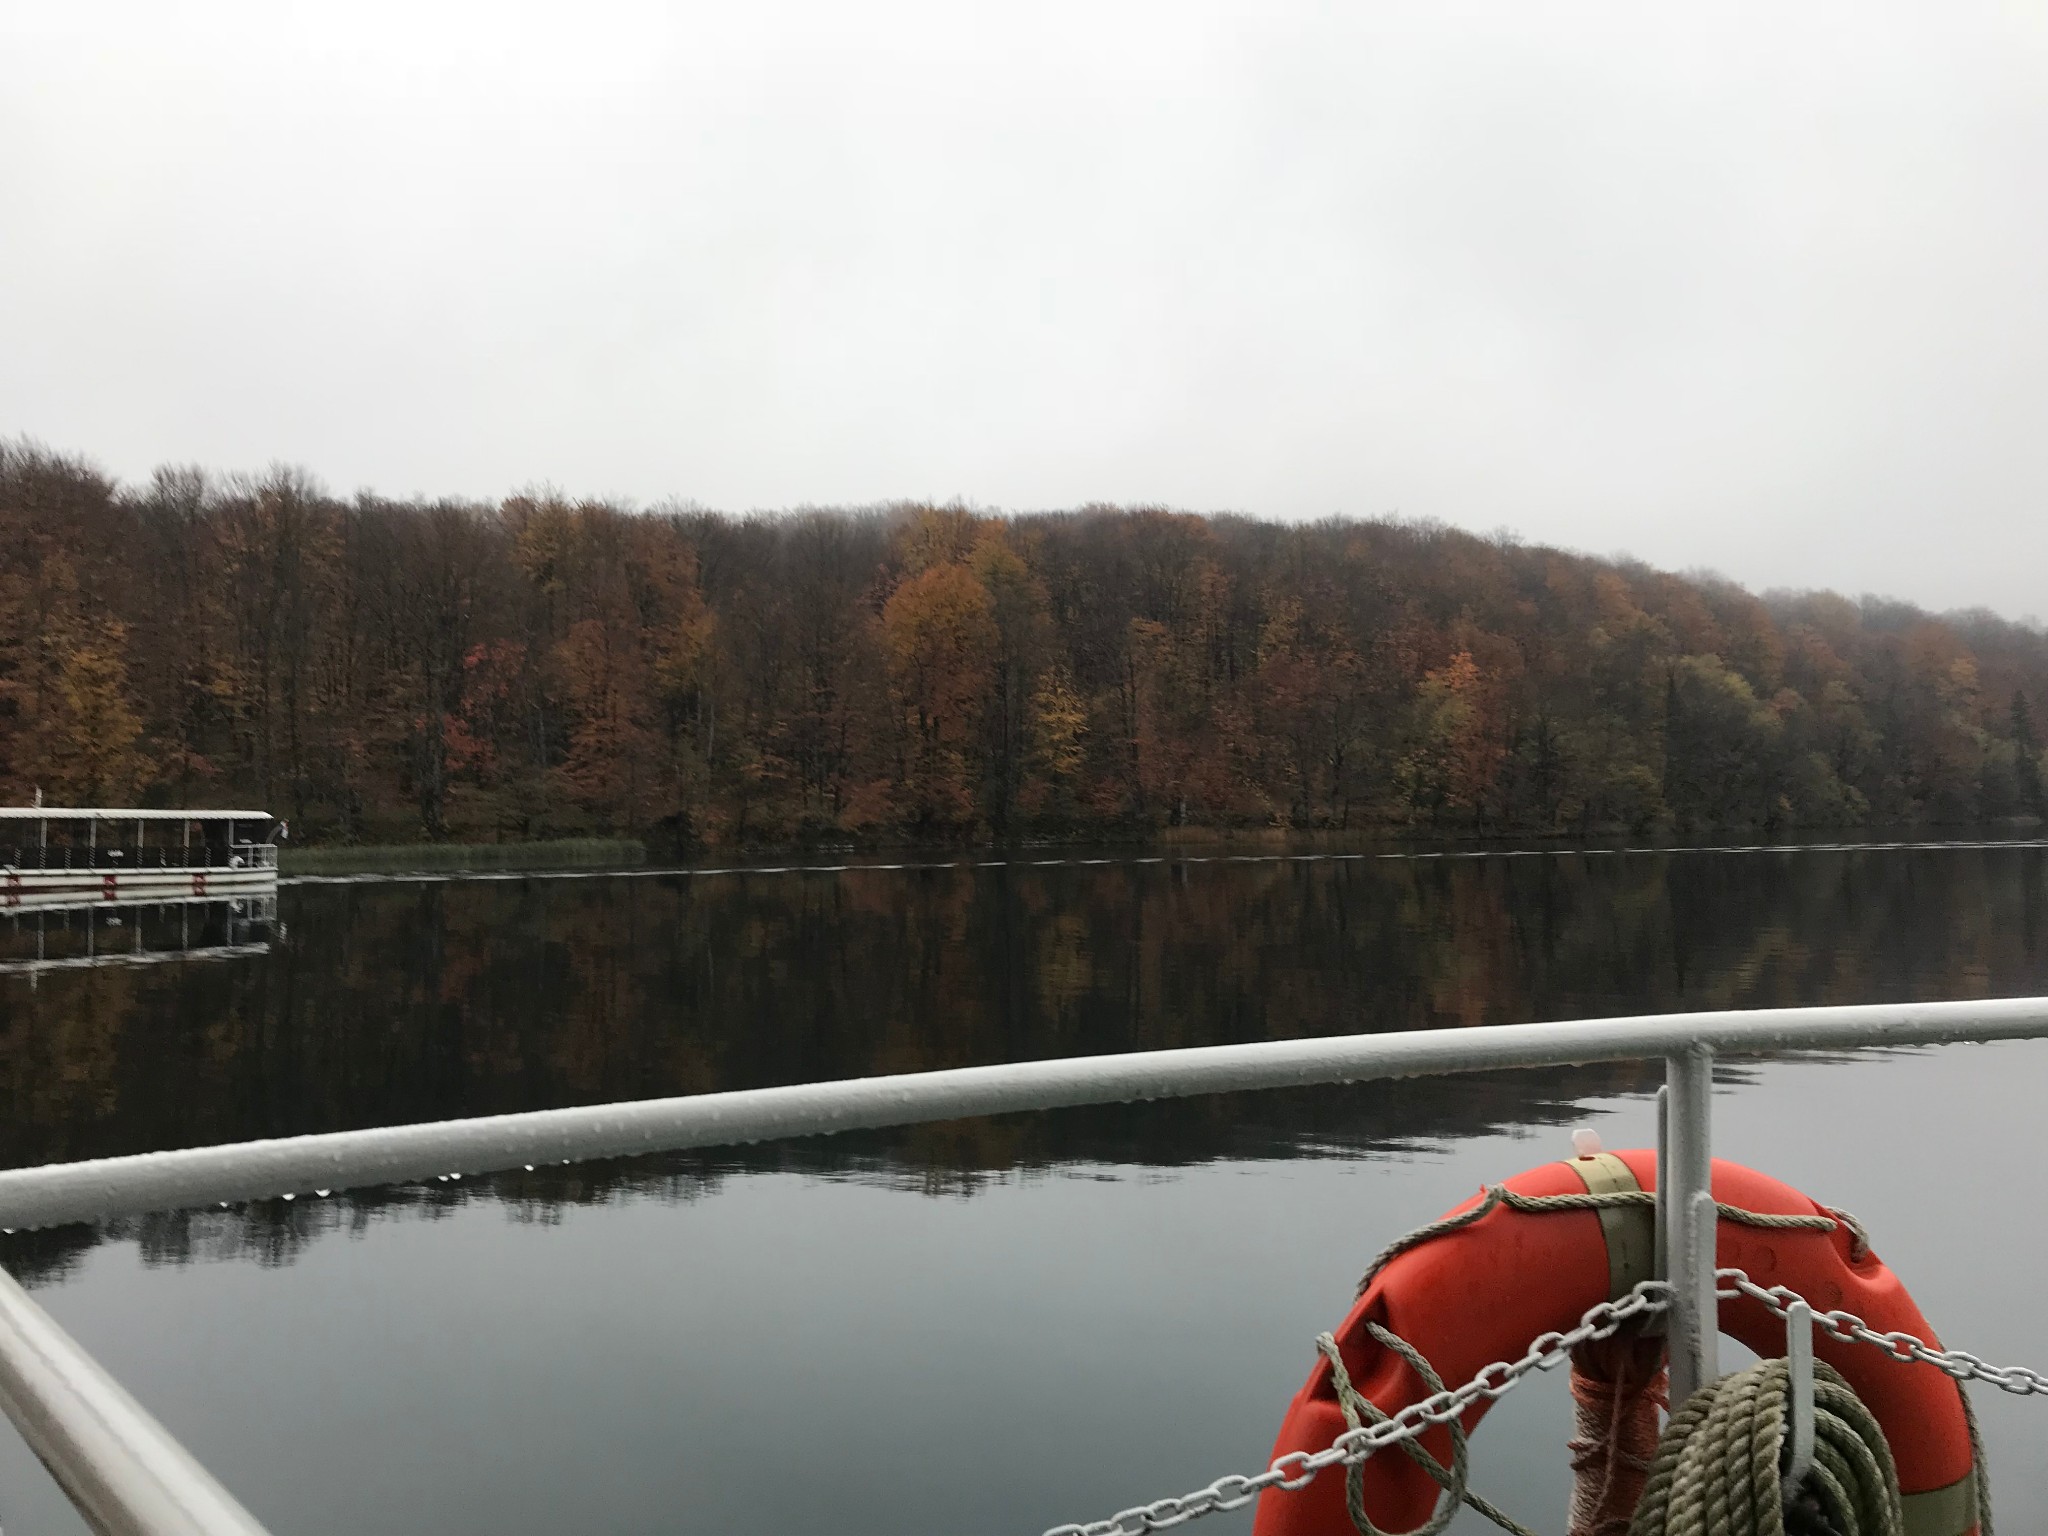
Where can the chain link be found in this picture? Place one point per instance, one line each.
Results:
(1297, 1469)
(2020, 1380)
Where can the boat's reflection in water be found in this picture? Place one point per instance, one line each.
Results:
(85, 937)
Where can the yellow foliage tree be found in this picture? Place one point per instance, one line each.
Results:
(1458, 749)
(90, 729)
(940, 633)
(1061, 719)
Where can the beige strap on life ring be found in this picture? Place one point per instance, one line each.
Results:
(1630, 1230)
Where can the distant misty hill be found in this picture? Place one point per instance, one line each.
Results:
(376, 669)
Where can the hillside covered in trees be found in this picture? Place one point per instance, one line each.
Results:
(380, 670)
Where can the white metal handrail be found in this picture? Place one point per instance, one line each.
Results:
(85, 1191)
(128, 1477)
(120, 1468)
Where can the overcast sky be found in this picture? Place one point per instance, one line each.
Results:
(1756, 287)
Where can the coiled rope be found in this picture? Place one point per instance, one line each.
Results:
(1716, 1472)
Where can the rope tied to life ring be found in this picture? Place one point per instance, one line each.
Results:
(1360, 1410)
(1620, 1387)
(1498, 1195)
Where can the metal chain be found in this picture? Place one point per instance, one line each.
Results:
(1297, 1469)
(2020, 1380)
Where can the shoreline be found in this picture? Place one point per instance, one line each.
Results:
(1179, 845)
(452, 858)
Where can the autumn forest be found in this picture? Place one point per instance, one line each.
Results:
(384, 670)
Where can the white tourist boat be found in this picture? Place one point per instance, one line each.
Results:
(60, 856)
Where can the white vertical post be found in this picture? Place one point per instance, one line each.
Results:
(1704, 1229)
(1690, 1218)
(1660, 1265)
(1799, 1362)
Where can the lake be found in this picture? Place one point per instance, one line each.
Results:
(991, 1326)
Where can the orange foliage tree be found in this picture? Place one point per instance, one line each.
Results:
(940, 631)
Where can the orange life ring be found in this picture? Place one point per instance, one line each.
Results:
(1480, 1294)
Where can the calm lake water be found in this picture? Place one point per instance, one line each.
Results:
(983, 1327)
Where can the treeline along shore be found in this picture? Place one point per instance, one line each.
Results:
(382, 670)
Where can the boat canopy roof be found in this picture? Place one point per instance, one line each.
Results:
(104, 813)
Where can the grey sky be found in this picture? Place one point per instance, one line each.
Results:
(1751, 286)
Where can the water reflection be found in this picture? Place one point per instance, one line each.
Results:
(37, 940)
(388, 1003)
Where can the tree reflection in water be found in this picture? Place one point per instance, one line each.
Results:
(388, 1003)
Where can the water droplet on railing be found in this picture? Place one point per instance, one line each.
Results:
(323, 1193)
(291, 1197)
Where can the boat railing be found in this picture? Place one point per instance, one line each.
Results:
(58, 857)
(126, 1474)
